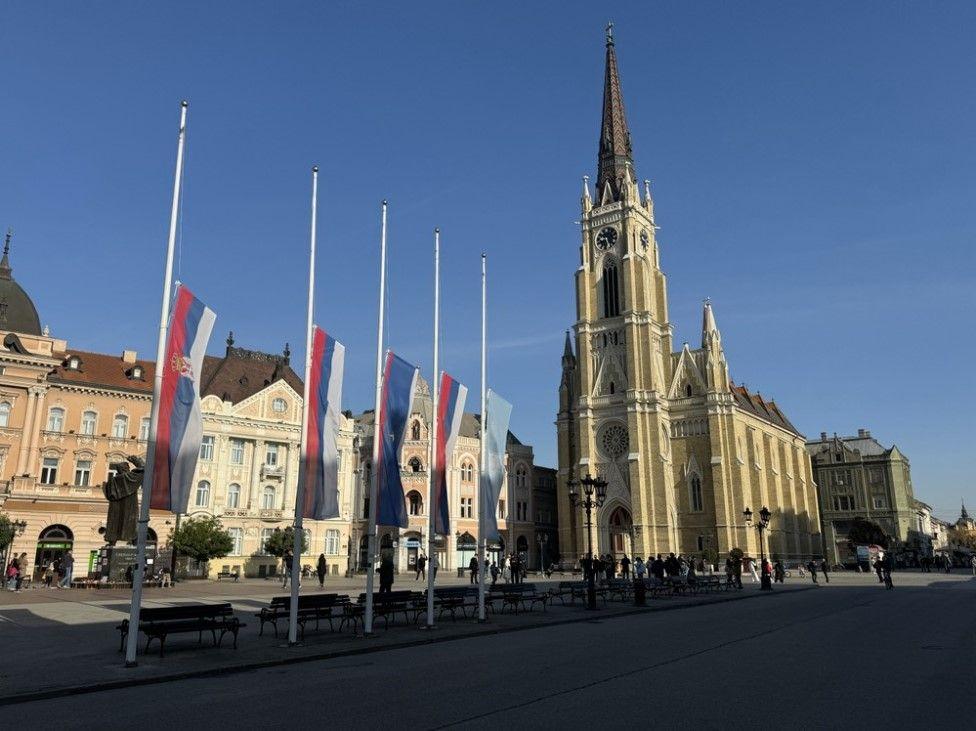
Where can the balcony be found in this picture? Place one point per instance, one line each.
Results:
(270, 513)
(269, 470)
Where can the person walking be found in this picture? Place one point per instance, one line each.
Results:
(421, 568)
(321, 568)
(639, 568)
(972, 562)
(22, 564)
(779, 573)
(48, 576)
(473, 568)
(825, 570)
(752, 569)
(386, 575)
(434, 565)
(494, 573)
(766, 568)
(288, 560)
(67, 570)
(671, 565)
(887, 564)
(812, 568)
(879, 568)
(625, 568)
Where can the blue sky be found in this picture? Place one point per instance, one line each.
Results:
(812, 166)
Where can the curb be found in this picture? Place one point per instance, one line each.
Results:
(73, 690)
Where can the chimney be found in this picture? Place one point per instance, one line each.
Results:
(862, 433)
(128, 356)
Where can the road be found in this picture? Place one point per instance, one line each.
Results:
(843, 655)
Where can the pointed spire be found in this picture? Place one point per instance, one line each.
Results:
(615, 162)
(569, 360)
(709, 326)
(5, 269)
(964, 515)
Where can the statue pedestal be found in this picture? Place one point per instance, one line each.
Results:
(113, 562)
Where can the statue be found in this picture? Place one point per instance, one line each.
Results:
(122, 492)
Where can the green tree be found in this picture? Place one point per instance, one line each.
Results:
(283, 540)
(6, 532)
(865, 532)
(962, 537)
(202, 538)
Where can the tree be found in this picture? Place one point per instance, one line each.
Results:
(202, 538)
(962, 537)
(283, 540)
(6, 532)
(864, 532)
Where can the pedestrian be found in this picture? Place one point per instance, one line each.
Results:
(639, 568)
(812, 568)
(887, 564)
(948, 563)
(671, 565)
(321, 568)
(473, 568)
(386, 575)
(48, 576)
(288, 560)
(879, 568)
(494, 573)
(165, 578)
(421, 568)
(11, 573)
(22, 565)
(434, 564)
(67, 569)
(611, 565)
(972, 562)
(824, 570)
(728, 572)
(625, 568)
(767, 569)
(751, 566)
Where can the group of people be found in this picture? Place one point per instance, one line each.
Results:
(608, 567)
(56, 572)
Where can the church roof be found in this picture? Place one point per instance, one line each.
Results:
(756, 405)
(615, 158)
(17, 311)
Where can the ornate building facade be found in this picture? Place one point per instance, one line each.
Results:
(684, 450)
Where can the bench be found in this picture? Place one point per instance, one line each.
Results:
(161, 622)
(385, 605)
(451, 599)
(516, 595)
(310, 606)
(621, 588)
(228, 575)
(705, 584)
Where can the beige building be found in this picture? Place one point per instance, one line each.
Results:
(683, 449)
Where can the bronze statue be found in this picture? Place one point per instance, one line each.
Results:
(122, 492)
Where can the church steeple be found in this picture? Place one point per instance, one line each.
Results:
(616, 163)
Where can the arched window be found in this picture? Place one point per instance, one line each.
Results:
(203, 494)
(520, 476)
(120, 426)
(695, 490)
(415, 503)
(665, 442)
(233, 495)
(237, 538)
(55, 419)
(416, 465)
(89, 420)
(415, 431)
(4, 413)
(688, 390)
(268, 497)
(611, 291)
(467, 472)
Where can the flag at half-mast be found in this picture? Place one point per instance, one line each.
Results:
(450, 408)
(493, 473)
(399, 384)
(318, 471)
(179, 425)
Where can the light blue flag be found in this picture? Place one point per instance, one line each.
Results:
(496, 432)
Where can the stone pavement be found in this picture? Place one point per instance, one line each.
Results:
(63, 641)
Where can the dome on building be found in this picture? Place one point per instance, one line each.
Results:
(17, 311)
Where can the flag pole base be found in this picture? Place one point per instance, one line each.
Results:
(132, 664)
(429, 627)
(296, 643)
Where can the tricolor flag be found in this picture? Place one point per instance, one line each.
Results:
(450, 408)
(318, 471)
(399, 383)
(493, 475)
(179, 426)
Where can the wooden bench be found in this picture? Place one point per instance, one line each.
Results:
(161, 622)
(310, 606)
(385, 605)
(452, 599)
(228, 575)
(517, 595)
(621, 588)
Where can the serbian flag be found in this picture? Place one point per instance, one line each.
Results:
(399, 383)
(450, 407)
(318, 471)
(179, 426)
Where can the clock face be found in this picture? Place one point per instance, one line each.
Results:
(606, 239)
(645, 239)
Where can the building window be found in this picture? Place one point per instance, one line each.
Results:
(49, 471)
(55, 419)
(501, 509)
(415, 503)
(844, 502)
(120, 426)
(203, 494)
(271, 455)
(83, 472)
(207, 448)
(467, 472)
(467, 507)
(144, 428)
(233, 495)
(611, 291)
(415, 431)
(266, 534)
(880, 503)
(268, 498)
(237, 536)
(332, 542)
(521, 510)
(520, 476)
(701, 543)
(89, 421)
(415, 464)
(237, 451)
(74, 363)
(695, 487)
(279, 406)
(4, 413)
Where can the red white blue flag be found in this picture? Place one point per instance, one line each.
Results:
(399, 383)
(318, 471)
(450, 408)
(179, 425)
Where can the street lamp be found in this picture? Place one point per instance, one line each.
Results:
(594, 493)
(542, 539)
(764, 581)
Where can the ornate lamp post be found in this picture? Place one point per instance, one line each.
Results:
(542, 539)
(764, 581)
(594, 493)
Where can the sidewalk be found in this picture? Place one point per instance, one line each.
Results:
(65, 642)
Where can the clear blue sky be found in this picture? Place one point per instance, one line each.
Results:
(812, 165)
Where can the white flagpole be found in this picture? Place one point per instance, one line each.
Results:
(132, 641)
(483, 457)
(296, 554)
(432, 460)
(377, 437)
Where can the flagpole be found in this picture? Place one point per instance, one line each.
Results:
(483, 457)
(132, 640)
(377, 437)
(296, 554)
(432, 461)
